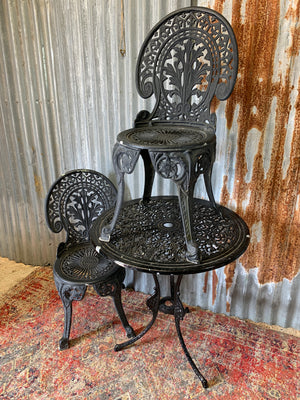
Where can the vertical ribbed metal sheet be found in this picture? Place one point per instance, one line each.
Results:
(66, 92)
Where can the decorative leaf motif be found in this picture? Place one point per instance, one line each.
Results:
(82, 209)
(75, 200)
(213, 59)
(186, 69)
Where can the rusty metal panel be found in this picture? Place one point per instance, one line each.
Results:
(68, 88)
(260, 153)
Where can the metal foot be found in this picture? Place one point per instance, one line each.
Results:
(64, 343)
(105, 233)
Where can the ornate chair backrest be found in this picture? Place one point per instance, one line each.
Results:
(187, 58)
(75, 200)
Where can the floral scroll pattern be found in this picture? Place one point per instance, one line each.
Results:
(184, 62)
(158, 234)
(76, 200)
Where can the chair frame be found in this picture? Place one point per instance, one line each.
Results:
(74, 201)
(189, 57)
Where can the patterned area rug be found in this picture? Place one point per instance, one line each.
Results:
(239, 359)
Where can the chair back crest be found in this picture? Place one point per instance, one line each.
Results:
(75, 200)
(187, 58)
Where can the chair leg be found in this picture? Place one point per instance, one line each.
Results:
(68, 293)
(185, 199)
(124, 161)
(149, 175)
(64, 341)
(113, 288)
(207, 180)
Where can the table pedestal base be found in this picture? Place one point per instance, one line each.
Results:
(168, 305)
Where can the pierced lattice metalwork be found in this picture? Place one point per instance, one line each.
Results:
(186, 59)
(84, 265)
(75, 200)
(151, 236)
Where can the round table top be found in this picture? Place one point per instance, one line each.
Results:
(149, 237)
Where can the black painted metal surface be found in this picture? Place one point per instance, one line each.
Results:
(187, 58)
(149, 236)
(74, 201)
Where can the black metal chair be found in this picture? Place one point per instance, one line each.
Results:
(187, 58)
(73, 203)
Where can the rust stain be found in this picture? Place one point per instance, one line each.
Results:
(228, 307)
(38, 185)
(295, 30)
(229, 272)
(215, 281)
(225, 196)
(273, 199)
(219, 6)
(205, 282)
(214, 104)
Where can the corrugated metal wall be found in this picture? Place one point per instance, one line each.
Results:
(66, 91)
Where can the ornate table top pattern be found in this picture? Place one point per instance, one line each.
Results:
(149, 237)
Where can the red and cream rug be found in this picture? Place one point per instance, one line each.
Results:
(240, 360)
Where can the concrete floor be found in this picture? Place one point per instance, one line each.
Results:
(12, 273)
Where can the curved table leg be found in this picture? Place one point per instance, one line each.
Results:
(179, 313)
(153, 304)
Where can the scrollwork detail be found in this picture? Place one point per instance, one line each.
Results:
(105, 289)
(158, 235)
(186, 59)
(204, 160)
(69, 292)
(171, 165)
(124, 158)
(75, 200)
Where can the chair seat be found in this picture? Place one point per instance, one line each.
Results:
(82, 264)
(167, 138)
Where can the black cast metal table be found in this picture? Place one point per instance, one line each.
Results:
(149, 237)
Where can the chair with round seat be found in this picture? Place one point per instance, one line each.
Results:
(189, 57)
(74, 201)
